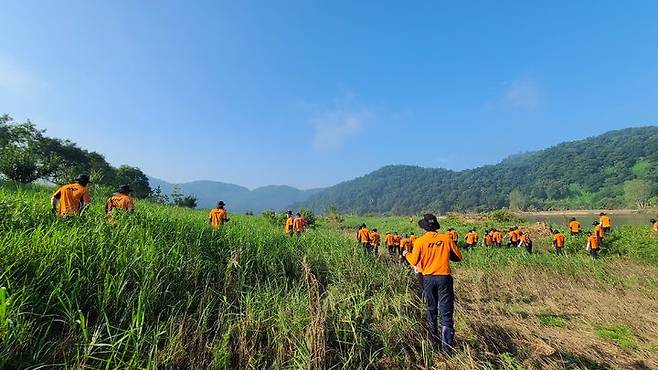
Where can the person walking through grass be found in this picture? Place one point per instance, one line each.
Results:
(363, 236)
(389, 239)
(593, 245)
(454, 235)
(526, 242)
(288, 224)
(497, 238)
(606, 222)
(654, 223)
(71, 199)
(397, 239)
(598, 231)
(121, 200)
(513, 238)
(298, 224)
(218, 216)
(375, 241)
(558, 242)
(487, 240)
(432, 253)
(574, 226)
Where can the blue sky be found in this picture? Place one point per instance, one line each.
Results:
(310, 93)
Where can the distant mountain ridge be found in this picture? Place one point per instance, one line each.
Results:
(238, 198)
(588, 173)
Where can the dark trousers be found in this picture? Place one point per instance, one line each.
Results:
(421, 285)
(469, 245)
(439, 295)
(594, 252)
(558, 250)
(367, 249)
(528, 248)
(607, 229)
(391, 250)
(575, 232)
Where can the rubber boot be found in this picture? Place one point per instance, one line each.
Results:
(447, 339)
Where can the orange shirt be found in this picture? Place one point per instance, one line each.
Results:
(375, 238)
(523, 239)
(598, 231)
(407, 244)
(488, 239)
(364, 235)
(397, 239)
(605, 221)
(71, 198)
(288, 226)
(119, 200)
(453, 234)
(574, 226)
(558, 239)
(298, 224)
(431, 252)
(497, 236)
(413, 239)
(513, 235)
(389, 240)
(217, 217)
(655, 226)
(471, 238)
(593, 242)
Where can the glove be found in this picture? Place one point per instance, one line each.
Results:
(404, 253)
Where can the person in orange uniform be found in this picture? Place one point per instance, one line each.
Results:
(606, 222)
(397, 239)
(525, 241)
(363, 236)
(432, 253)
(71, 199)
(574, 226)
(288, 225)
(497, 238)
(513, 238)
(558, 242)
(487, 241)
(405, 245)
(593, 245)
(121, 199)
(599, 232)
(413, 238)
(453, 234)
(218, 216)
(298, 224)
(389, 239)
(654, 223)
(471, 238)
(375, 241)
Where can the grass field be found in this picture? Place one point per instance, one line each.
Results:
(160, 289)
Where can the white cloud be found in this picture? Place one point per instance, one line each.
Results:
(333, 129)
(520, 95)
(14, 79)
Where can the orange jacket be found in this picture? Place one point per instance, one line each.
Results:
(298, 224)
(598, 231)
(389, 239)
(397, 239)
(364, 235)
(119, 200)
(593, 242)
(471, 238)
(558, 239)
(217, 217)
(288, 226)
(375, 238)
(497, 236)
(432, 253)
(71, 198)
(605, 221)
(574, 226)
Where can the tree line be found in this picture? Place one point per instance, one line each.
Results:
(27, 155)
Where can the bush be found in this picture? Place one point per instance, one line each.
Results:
(505, 216)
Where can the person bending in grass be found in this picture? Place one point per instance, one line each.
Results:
(593, 245)
(432, 254)
(121, 200)
(363, 236)
(218, 216)
(375, 240)
(497, 238)
(558, 242)
(471, 238)
(71, 199)
(599, 231)
(526, 242)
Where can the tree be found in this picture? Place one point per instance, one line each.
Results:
(517, 201)
(23, 157)
(158, 196)
(188, 201)
(637, 193)
(134, 177)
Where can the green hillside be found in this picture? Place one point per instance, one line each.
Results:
(590, 173)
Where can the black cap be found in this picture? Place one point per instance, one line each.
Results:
(221, 203)
(124, 189)
(82, 178)
(595, 223)
(429, 222)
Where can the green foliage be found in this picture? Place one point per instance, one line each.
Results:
(517, 201)
(504, 216)
(575, 175)
(308, 216)
(138, 181)
(622, 335)
(549, 319)
(637, 192)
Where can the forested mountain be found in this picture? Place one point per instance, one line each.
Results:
(238, 198)
(613, 170)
